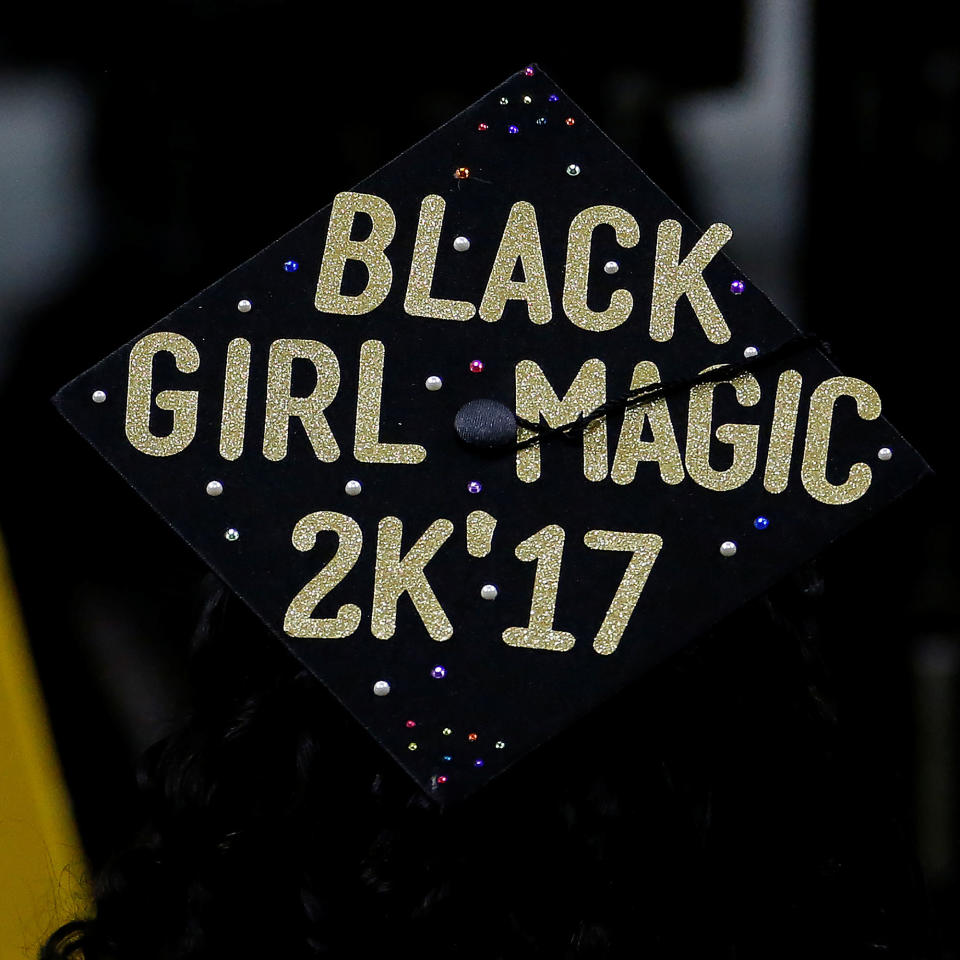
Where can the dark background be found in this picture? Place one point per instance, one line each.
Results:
(144, 152)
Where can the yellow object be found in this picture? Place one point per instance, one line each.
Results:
(42, 870)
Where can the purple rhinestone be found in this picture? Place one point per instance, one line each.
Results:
(474, 486)
(438, 672)
(737, 287)
(513, 128)
(478, 762)
(553, 98)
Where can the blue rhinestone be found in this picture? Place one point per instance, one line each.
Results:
(513, 128)
(553, 98)
(478, 762)
(761, 523)
(291, 266)
(446, 758)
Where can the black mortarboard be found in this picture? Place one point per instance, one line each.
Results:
(357, 429)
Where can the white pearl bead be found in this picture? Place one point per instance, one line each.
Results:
(214, 488)
(728, 548)
(352, 488)
(489, 592)
(884, 453)
(461, 244)
(232, 534)
(750, 352)
(244, 306)
(433, 383)
(611, 266)
(99, 396)
(381, 688)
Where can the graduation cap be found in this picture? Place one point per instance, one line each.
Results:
(491, 435)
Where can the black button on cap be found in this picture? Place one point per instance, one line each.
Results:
(486, 423)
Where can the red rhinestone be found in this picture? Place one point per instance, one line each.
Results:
(471, 736)
(528, 72)
(476, 366)
(461, 173)
(482, 126)
(570, 121)
(441, 779)
(411, 724)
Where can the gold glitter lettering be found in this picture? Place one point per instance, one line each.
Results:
(578, 267)
(182, 403)
(782, 431)
(281, 406)
(535, 396)
(394, 577)
(367, 447)
(418, 302)
(480, 527)
(813, 471)
(299, 620)
(672, 278)
(742, 437)
(234, 417)
(645, 548)
(546, 547)
(340, 248)
(520, 242)
(662, 448)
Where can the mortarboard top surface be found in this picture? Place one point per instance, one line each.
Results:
(515, 255)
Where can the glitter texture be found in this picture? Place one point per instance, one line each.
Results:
(395, 576)
(299, 620)
(645, 548)
(813, 471)
(418, 302)
(340, 248)
(576, 276)
(480, 528)
(233, 419)
(535, 396)
(367, 447)
(742, 437)
(546, 547)
(281, 406)
(631, 449)
(520, 242)
(776, 474)
(182, 403)
(672, 278)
